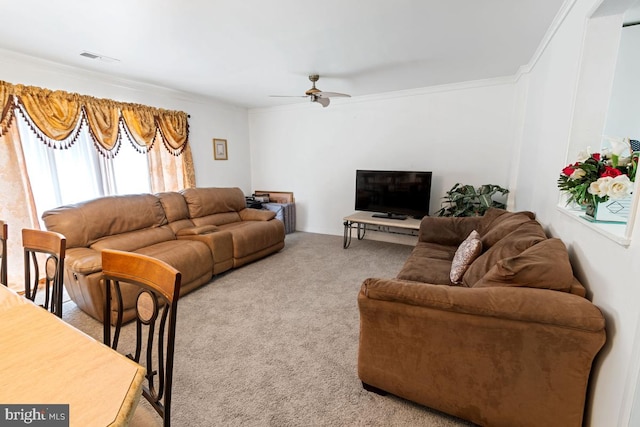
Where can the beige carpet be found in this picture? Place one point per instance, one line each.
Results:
(275, 343)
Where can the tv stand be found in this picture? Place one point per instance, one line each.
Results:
(389, 216)
(360, 220)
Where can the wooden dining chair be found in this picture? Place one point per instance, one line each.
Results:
(158, 289)
(3, 253)
(44, 253)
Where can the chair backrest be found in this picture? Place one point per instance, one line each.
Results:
(156, 305)
(3, 253)
(53, 246)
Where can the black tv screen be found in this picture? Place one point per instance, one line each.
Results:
(393, 194)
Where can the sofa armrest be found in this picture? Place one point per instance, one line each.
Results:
(250, 214)
(519, 304)
(447, 230)
(83, 260)
(493, 356)
(199, 230)
(220, 244)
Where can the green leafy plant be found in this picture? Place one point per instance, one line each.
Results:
(466, 200)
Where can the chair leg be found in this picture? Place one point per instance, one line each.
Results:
(373, 389)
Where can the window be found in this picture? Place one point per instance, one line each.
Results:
(65, 176)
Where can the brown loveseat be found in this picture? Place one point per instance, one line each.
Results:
(199, 231)
(512, 345)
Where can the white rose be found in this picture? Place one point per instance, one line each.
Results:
(600, 187)
(584, 155)
(578, 173)
(620, 187)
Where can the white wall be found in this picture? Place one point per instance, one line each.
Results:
(462, 133)
(209, 118)
(608, 270)
(623, 118)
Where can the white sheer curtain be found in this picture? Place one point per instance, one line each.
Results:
(65, 176)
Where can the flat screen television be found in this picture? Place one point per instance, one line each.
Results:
(393, 194)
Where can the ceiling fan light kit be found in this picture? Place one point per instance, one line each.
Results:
(316, 95)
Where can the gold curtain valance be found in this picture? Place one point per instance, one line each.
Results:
(103, 118)
(174, 129)
(56, 117)
(6, 106)
(139, 122)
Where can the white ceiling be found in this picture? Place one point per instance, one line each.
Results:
(242, 51)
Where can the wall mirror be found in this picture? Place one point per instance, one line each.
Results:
(607, 106)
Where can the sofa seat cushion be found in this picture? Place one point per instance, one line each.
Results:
(191, 258)
(545, 265)
(429, 263)
(434, 250)
(250, 237)
(520, 239)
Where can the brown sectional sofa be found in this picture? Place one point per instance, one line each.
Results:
(199, 231)
(512, 345)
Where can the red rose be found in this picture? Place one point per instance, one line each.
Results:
(568, 170)
(609, 171)
(596, 156)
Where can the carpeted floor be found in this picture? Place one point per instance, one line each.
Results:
(275, 343)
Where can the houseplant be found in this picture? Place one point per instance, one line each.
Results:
(466, 200)
(596, 178)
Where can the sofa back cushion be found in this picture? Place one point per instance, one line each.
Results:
(174, 205)
(208, 201)
(176, 210)
(496, 228)
(544, 265)
(84, 223)
(134, 240)
(487, 219)
(526, 235)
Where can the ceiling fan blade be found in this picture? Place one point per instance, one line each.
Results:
(316, 94)
(322, 101)
(332, 95)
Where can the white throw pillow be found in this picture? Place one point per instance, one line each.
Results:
(466, 253)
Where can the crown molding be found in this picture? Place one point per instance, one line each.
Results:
(551, 31)
(383, 96)
(93, 77)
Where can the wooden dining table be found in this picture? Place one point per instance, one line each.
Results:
(45, 361)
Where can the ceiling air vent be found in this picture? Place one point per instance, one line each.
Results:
(100, 57)
(89, 55)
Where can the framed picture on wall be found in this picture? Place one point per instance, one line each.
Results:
(220, 149)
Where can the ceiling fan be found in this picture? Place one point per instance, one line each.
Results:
(315, 94)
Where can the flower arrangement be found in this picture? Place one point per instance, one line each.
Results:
(598, 177)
